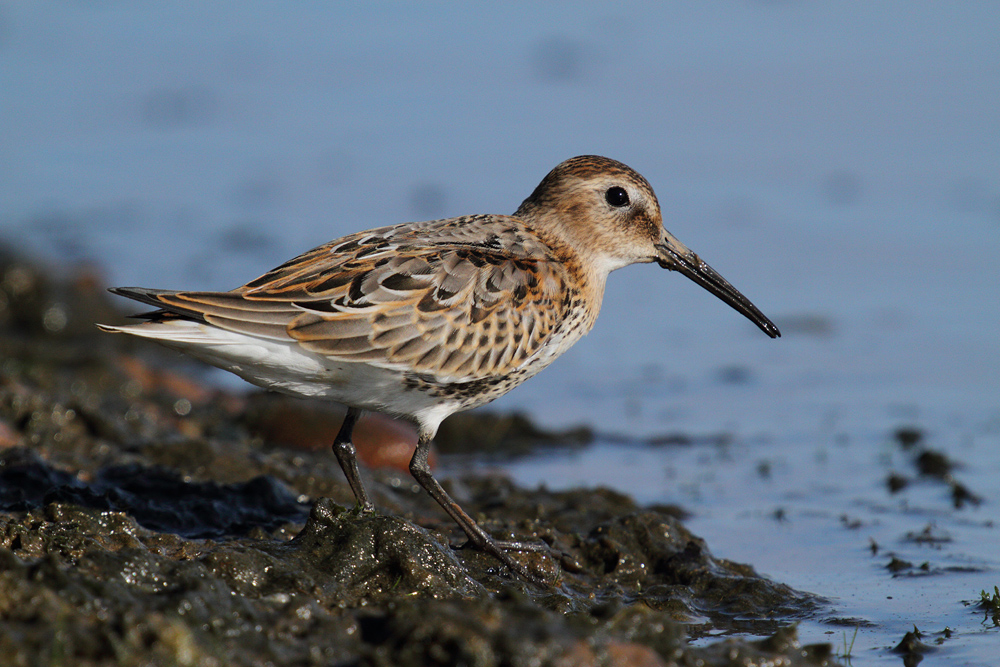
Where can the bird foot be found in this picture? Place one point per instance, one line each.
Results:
(532, 547)
(500, 550)
(364, 508)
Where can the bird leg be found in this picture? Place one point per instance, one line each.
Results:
(346, 454)
(477, 536)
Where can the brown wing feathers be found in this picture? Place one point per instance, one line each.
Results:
(445, 312)
(459, 311)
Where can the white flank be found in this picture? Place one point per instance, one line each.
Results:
(287, 367)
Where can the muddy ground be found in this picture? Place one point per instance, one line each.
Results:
(147, 517)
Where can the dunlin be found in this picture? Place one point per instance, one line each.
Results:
(425, 319)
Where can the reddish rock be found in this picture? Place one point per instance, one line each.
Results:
(299, 424)
(153, 379)
(633, 655)
(9, 437)
(385, 443)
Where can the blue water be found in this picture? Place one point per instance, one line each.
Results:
(837, 162)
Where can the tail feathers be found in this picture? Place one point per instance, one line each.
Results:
(151, 296)
(144, 294)
(178, 331)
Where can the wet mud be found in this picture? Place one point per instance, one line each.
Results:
(147, 517)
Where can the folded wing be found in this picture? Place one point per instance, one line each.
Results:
(458, 311)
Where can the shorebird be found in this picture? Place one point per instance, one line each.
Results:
(422, 320)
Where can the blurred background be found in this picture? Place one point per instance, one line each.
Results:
(839, 163)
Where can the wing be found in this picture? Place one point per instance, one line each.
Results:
(417, 300)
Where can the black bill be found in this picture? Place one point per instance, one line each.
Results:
(674, 256)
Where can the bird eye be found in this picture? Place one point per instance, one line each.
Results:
(616, 196)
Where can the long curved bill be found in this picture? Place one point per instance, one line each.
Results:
(673, 255)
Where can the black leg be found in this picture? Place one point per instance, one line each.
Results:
(347, 457)
(479, 537)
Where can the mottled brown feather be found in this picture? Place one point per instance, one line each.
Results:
(429, 297)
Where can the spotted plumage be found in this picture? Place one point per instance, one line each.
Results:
(424, 319)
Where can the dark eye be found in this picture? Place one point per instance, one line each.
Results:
(616, 196)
